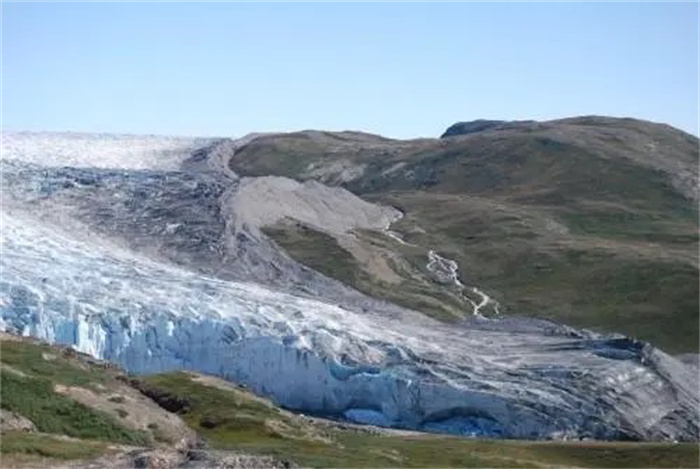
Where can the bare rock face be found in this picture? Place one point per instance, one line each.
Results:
(13, 421)
(168, 458)
(229, 460)
(480, 125)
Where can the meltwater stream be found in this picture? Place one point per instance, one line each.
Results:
(446, 271)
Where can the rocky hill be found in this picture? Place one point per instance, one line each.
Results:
(591, 221)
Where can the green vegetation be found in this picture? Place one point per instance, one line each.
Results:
(293, 155)
(48, 446)
(219, 414)
(618, 224)
(317, 250)
(535, 266)
(52, 412)
(236, 420)
(31, 392)
(322, 253)
(43, 361)
(647, 299)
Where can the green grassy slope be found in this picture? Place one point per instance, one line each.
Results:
(322, 252)
(19, 445)
(32, 394)
(585, 220)
(522, 258)
(66, 429)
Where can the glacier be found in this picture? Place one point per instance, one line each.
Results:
(101, 150)
(65, 280)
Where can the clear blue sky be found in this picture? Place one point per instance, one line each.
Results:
(398, 69)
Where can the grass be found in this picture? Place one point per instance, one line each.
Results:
(651, 300)
(318, 250)
(236, 420)
(216, 413)
(48, 446)
(60, 367)
(322, 253)
(581, 279)
(52, 412)
(294, 155)
(633, 225)
(33, 395)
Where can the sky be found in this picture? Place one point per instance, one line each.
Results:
(402, 70)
